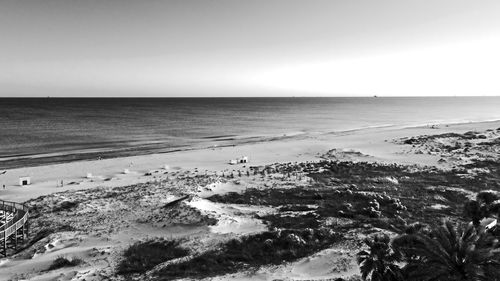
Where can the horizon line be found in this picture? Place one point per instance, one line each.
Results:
(229, 97)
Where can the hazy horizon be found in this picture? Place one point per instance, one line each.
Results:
(249, 48)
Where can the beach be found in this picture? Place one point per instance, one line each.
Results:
(373, 142)
(249, 140)
(102, 226)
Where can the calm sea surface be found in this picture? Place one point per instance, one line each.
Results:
(66, 129)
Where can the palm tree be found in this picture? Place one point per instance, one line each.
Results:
(378, 263)
(487, 196)
(475, 211)
(449, 253)
(485, 205)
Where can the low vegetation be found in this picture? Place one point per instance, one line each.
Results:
(270, 247)
(143, 256)
(65, 206)
(321, 204)
(409, 201)
(61, 262)
(387, 196)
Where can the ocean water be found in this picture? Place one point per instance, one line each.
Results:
(37, 131)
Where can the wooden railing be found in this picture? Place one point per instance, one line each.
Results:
(11, 228)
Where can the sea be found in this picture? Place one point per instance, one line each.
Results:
(37, 131)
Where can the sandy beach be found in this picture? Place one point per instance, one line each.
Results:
(242, 140)
(161, 178)
(110, 172)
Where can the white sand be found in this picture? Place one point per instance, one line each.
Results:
(46, 179)
(232, 218)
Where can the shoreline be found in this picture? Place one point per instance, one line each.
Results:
(123, 171)
(206, 202)
(151, 148)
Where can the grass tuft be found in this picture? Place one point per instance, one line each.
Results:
(143, 256)
(270, 247)
(61, 262)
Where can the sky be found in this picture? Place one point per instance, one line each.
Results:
(249, 48)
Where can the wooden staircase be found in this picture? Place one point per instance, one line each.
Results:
(13, 225)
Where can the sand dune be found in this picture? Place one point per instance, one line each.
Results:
(117, 208)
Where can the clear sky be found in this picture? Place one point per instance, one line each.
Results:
(249, 48)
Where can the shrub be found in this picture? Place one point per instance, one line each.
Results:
(487, 196)
(143, 256)
(61, 262)
(271, 247)
(309, 220)
(42, 233)
(65, 206)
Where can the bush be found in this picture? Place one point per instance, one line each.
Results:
(61, 262)
(65, 206)
(143, 256)
(309, 220)
(271, 247)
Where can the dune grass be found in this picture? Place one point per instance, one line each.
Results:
(270, 247)
(143, 256)
(61, 262)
